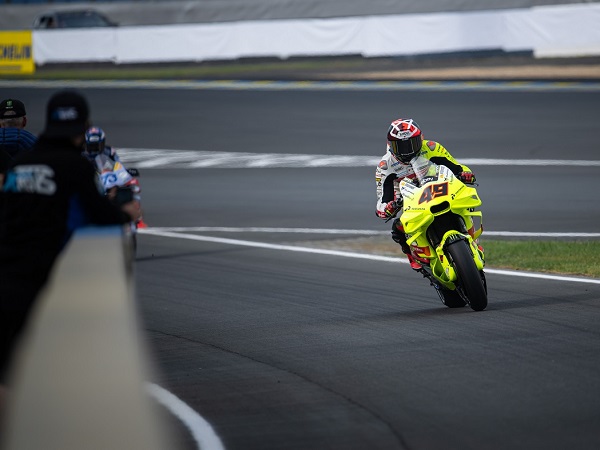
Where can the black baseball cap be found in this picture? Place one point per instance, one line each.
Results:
(67, 115)
(11, 108)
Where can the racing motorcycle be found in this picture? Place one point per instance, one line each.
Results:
(120, 186)
(437, 216)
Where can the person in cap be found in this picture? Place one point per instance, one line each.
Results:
(47, 194)
(14, 138)
(5, 161)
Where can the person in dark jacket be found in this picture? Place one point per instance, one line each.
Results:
(47, 194)
(5, 161)
(14, 138)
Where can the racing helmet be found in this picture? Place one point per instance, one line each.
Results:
(94, 140)
(404, 139)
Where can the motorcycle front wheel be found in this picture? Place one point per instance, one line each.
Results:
(469, 278)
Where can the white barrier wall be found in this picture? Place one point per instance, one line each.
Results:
(570, 30)
(79, 377)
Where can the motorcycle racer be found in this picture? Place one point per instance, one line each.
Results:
(95, 144)
(404, 142)
(99, 154)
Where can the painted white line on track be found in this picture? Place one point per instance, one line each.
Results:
(549, 234)
(345, 232)
(145, 158)
(269, 230)
(200, 429)
(291, 248)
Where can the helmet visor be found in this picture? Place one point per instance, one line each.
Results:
(93, 147)
(406, 150)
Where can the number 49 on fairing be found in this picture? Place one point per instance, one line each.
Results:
(432, 191)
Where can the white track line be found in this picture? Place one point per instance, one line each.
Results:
(145, 158)
(345, 232)
(291, 248)
(202, 432)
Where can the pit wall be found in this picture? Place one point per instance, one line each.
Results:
(81, 370)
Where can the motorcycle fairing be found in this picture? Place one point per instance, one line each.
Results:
(440, 193)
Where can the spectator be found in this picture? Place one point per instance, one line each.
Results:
(48, 193)
(5, 160)
(14, 138)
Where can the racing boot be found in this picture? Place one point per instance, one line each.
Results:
(399, 237)
(414, 264)
(141, 224)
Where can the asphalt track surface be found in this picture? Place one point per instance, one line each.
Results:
(280, 349)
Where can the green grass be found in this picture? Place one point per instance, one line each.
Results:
(561, 257)
(557, 257)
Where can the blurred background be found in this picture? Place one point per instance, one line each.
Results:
(125, 32)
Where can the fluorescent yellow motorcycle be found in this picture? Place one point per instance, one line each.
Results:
(437, 216)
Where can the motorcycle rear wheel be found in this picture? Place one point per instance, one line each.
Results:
(469, 278)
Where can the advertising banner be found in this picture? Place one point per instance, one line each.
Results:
(16, 52)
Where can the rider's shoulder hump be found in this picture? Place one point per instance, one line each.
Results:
(432, 145)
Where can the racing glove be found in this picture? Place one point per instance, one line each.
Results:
(392, 208)
(467, 177)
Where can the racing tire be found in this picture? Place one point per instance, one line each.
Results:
(469, 278)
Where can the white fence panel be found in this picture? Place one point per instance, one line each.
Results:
(546, 31)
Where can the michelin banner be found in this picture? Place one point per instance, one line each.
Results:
(16, 52)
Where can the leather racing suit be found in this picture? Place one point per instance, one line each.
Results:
(107, 151)
(390, 172)
(105, 160)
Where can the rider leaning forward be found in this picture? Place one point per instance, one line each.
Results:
(404, 142)
(95, 145)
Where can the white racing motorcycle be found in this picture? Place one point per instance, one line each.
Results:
(121, 186)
